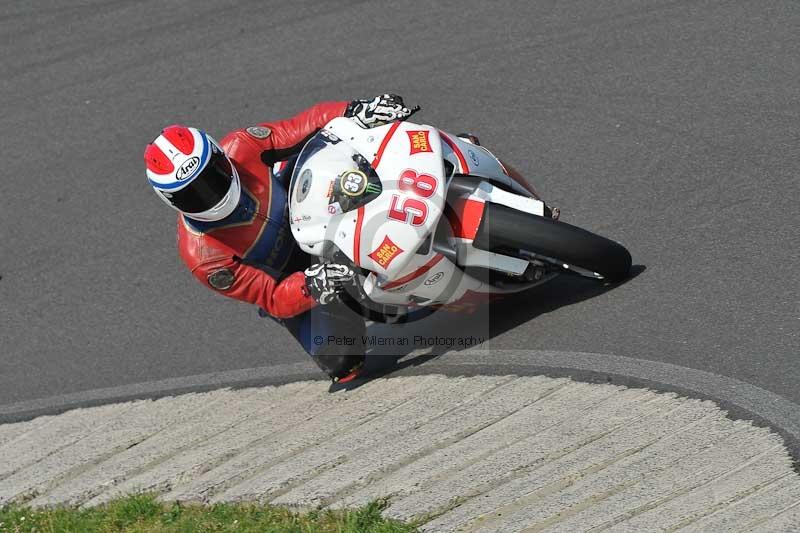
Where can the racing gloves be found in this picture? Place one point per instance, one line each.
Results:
(378, 111)
(326, 281)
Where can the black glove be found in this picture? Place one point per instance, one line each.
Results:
(378, 111)
(325, 281)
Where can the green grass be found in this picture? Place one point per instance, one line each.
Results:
(141, 513)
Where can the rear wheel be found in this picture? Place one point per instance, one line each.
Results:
(512, 232)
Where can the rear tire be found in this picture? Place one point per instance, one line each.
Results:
(508, 231)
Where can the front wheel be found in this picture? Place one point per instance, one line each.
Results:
(512, 232)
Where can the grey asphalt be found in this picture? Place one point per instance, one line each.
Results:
(673, 127)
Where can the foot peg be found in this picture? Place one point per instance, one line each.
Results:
(534, 272)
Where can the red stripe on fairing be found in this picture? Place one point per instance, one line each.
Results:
(180, 137)
(357, 236)
(417, 273)
(384, 142)
(461, 160)
(157, 161)
(465, 217)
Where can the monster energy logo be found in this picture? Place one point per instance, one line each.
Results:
(373, 188)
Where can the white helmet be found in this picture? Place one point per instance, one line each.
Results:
(190, 172)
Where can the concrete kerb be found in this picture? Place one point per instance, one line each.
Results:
(501, 452)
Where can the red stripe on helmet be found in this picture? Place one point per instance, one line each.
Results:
(157, 161)
(180, 137)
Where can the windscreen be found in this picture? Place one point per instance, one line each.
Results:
(352, 182)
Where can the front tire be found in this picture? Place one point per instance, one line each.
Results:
(512, 232)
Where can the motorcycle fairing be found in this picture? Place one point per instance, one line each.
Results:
(473, 160)
(383, 235)
(387, 235)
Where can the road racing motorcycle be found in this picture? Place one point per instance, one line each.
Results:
(431, 219)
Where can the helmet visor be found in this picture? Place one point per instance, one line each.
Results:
(207, 189)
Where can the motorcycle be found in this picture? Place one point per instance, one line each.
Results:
(431, 219)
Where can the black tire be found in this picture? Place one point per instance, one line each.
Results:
(507, 230)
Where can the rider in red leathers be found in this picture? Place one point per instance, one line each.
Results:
(233, 227)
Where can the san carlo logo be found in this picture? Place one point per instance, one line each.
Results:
(187, 168)
(435, 278)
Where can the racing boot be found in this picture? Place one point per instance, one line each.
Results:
(340, 368)
(351, 375)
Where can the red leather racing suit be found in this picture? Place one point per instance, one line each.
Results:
(248, 254)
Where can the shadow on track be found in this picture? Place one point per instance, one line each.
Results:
(494, 319)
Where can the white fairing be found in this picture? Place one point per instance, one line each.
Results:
(401, 218)
(467, 158)
(309, 207)
(385, 244)
(388, 235)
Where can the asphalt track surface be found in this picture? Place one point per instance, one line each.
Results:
(673, 127)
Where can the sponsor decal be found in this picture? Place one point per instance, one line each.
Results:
(434, 279)
(259, 132)
(330, 136)
(385, 253)
(352, 189)
(353, 183)
(334, 209)
(419, 141)
(474, 158)
(187, 168)
(221, 279)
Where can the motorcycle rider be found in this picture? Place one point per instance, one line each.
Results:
(233, 226)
